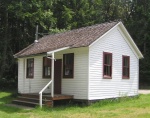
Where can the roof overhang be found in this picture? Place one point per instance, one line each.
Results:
(130, 40)
(57, 50)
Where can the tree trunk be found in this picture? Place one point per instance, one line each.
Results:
(5, 44)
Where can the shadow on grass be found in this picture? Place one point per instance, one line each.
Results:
(9, 109)
(97, 104)
(62, 106)
(6, 98)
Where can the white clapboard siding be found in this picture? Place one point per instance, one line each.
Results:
(100, 88)
(34, 85)
(76, 86)
(20, 75)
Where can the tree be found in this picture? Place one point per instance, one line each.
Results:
(139, 27)
(18, 19)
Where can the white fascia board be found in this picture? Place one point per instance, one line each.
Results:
(104, 34)
(134, 46)
(57, 50)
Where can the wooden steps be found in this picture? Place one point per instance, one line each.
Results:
(25, 103)
(32, 100)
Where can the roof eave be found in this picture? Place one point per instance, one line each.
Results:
(31, 55)
(16, 55)
(104, 34)
(139, 54)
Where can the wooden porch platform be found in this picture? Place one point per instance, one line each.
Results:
(61, 97)
(32, 99)
(56, 96)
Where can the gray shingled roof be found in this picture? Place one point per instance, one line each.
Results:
(81, 37)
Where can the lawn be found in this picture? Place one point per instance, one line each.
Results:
(138, 107)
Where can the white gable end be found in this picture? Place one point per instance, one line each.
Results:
(100, 88)
(123, 31)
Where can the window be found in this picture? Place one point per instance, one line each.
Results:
(30, 68)
(125, 67)
(46, 67)
(107, 65)
(68, 63)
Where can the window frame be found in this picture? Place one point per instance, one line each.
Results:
(27, 69)
(46, 76)
(72, 66)
(123, 57)
(107, 76)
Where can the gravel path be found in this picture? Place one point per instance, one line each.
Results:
(144, 91)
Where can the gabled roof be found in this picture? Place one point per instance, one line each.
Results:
(81, 37)
(121, 28)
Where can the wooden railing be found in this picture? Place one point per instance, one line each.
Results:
(41, 92)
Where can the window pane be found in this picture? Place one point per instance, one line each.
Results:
(107, 64)
(45, 61)
(67, 71)
(68, 65)
(126, 66)
(46, 67)
(30, 72)
(28, 63)
(30, 67)
(31, 63)
(49, 70)
(107, 59)
(107, 70)
(126, 62)
(126, 72)
(45, 71)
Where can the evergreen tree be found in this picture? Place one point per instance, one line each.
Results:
(18, 19)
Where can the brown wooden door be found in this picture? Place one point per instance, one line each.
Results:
(57, 76)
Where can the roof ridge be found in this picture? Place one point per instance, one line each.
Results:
(80, 37)
(79, 28)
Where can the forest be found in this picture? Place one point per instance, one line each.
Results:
(18, 20)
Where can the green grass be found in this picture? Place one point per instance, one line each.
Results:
(138, 107)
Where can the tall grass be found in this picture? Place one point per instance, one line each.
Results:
(124, 107)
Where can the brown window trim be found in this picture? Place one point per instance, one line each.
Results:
(72, 65)
(27, 75)
(107, 76)
(123, 57)
(46, 76)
